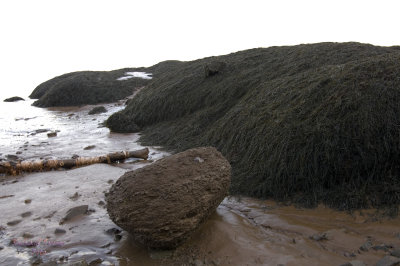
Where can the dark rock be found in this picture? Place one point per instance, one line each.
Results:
(388, 261)
(113, 231)
(163, 203)
(52, 134)
(14, 222)
(395, 253)
(75, 196)
(75, 156)
(26, 214)
(381, 247)
(28, 201)
(97, 110)
(90, 147)
(1, 248)
(19, 152)
(59, 231)
(74, 213)
(12, 157)
(117, 237)
(14, 99)
(101, 203)
(213, 68)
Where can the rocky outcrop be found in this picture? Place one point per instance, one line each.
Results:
(14, 99)
(86, 87)
(163, 203)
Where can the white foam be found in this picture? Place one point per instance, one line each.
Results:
(129, 75)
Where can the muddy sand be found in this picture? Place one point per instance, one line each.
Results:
(242, 231)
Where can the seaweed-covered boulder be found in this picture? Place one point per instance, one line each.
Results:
(87, 87)
(163, 203)
(308, 124)
(14, 99)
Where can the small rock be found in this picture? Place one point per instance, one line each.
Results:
(110, 181)
(113, 231)
(366, 246)
(59, 231)
(75, 156)
(18, 152)
(1, 248)
(75, 196)
(395, 253)
(388, 261)
(27, 235)
(319, 237)
(12, 157)
(41, 130)
(74, 212)
(28, 201)
(101, 203)
(90, 147)
(52, 134)
(15, 222)
(26, 214)
(381, 247)
(97, 110)
(14, 99)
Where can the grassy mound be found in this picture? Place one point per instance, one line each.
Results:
(307, 123)
(86, 87)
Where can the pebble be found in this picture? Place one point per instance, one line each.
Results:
(26, 214)
(15, 222)
(59, 231)
(27, 235)
(74, 212)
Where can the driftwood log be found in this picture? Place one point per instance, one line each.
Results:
(16, 167)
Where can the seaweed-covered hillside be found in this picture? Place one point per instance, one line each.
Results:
(308, 123)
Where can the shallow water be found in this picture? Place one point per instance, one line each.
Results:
(242, 231)
(75, 131)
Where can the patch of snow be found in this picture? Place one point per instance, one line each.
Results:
(129, 75)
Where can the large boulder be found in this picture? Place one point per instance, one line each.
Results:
(163, 203)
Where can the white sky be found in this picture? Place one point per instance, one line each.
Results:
(44, 38)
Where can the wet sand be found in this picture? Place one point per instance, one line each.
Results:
(242, 231)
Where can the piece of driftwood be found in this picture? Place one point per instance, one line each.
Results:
(16, 167)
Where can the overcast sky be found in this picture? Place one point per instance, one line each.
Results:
(44, 38)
